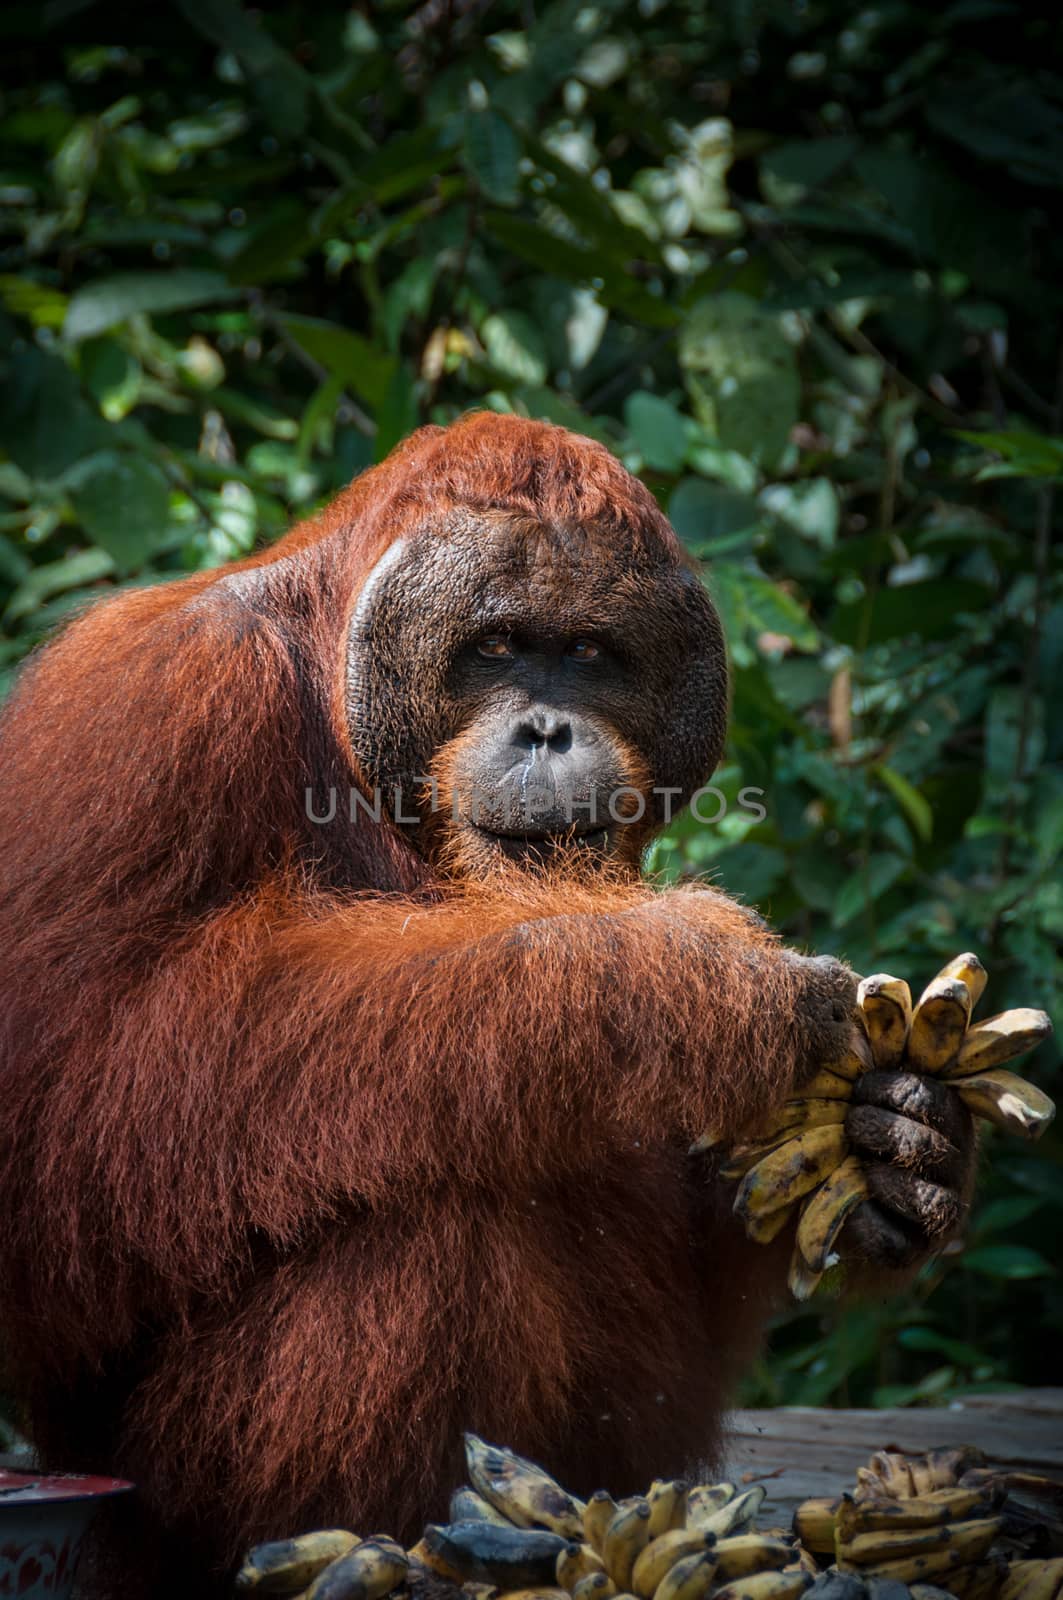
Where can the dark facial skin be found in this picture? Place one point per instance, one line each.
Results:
(547, 682)
(541, 768)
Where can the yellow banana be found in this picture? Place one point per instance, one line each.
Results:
(814, 1524)
(801, 1281)
(661, 1555)
(706, 1497)
(804, 1559)
(749, 1552)
(522, 1491)
(577, 1561)
(762, 1230)
(368, 1572)
(981, 1581)
(744, 1156)
(537, 1594)
(792, 1170)
(926, 1474)
(939, 1023)
(1009, 1101)
(468, 1506)
(824, 1212)
(421, 1554)
(892, 1468)
(508, 1558)
(1033, 1580)
(598, 1513)
(737, 1515)
(864, 1549)
(962, 1544)
(886, 1007)
(924, 1511)
(596, 1586)
(943, 1469)
(690, 1579)
(802, 1113)
(937, 1469)
(668, 1504)
(826, 1085)
(970, 971)
(999, 1039)
(625, 1538)
(285, 1566)
(766, 1586)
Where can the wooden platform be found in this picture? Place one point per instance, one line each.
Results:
(801, 1451)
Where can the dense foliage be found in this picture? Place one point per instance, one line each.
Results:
(798, 263)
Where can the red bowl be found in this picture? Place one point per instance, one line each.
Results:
(43, 1520)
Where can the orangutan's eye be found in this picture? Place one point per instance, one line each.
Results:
(494, 647)
(583, 649)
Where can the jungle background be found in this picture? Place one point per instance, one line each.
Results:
(798, 263)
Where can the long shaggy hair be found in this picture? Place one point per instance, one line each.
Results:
(311, 1155)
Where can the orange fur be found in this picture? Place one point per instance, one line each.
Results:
(310, 1157)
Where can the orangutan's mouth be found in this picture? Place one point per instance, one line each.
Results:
(541, 843)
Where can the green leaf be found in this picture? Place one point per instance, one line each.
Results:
(1007, 1212)
(865, 886)
(353, 358)
(771, 609)
(123, 503)
(818, 876)
(1011, 1261)
(808, 163)
(558, 257)
(911, 802)
(492, 155)
(318, 418)
(1006, 757)
(750, 871)
(43, 306)
(515, 346)
(657, 430)
(274, 249)
(709, 518)
(107, 301)
(579, 265)
(47, 424)
(1033, 1172)
(281, 85)
(408, 298)
(396, 415)
(741, 373)
(810, 508)
(929, 609)
(15, 564)
(1026, 455)
(584, 327)
(111, 375)
(962, 1354)
(57, 577)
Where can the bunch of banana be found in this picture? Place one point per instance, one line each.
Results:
(800, 1159)
(897, 1476)
(943, 1536)
(330, 1565)
(1033, 1580)
(517, 1529)
(931, 1521)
